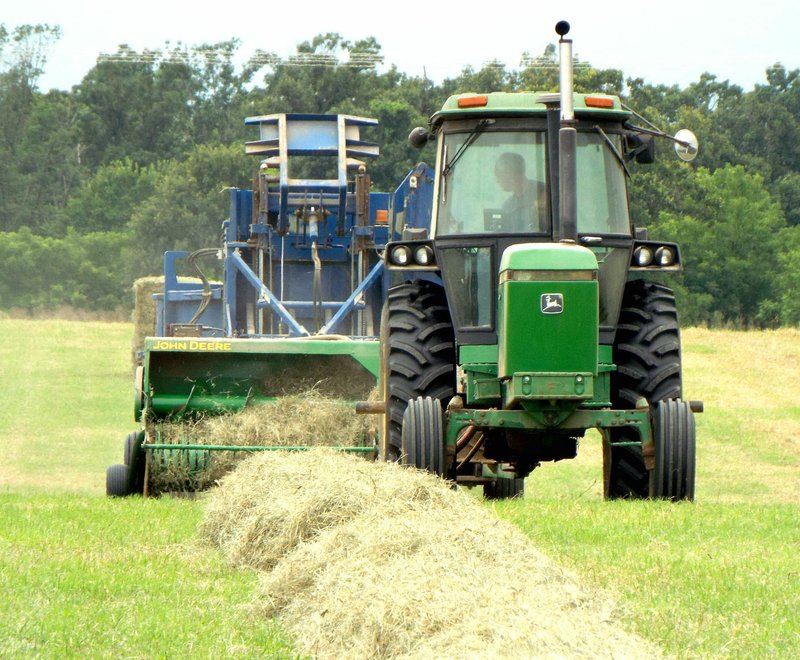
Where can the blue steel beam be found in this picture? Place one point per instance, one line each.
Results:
(349, 305)
(266, 297)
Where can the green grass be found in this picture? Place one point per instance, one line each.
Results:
(82, 575)
(702, 579)
(95, 577)
(68, 395)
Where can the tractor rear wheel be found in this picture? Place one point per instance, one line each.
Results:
(674, 440)
(423, 441)
(417, 356)
(647, 352)
(504, 489)
(117, 480)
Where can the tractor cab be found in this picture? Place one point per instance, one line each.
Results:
(497, 185)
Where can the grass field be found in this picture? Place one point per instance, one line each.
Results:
(85, 576)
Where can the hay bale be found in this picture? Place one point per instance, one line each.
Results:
(144, 312)
(364, 559)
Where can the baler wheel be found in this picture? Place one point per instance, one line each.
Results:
(130, 447)
(504, 489)
(674, 438)
(117, 480)
(134, 460)
(423, 436)
(417, 355)
(647, 352)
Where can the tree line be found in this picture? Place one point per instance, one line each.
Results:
(98, 181)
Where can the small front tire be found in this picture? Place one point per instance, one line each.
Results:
(423, 436)
(504, 489)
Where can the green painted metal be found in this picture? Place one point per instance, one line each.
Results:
(548, 311)
(478, 354)
(193, 375)
(547, 257)
(547, 386)
(577, 420)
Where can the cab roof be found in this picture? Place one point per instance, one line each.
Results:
(526, 103)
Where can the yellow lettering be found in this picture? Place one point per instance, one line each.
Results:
(193, 345)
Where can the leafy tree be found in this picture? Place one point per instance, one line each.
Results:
(135, 109)
(107, 201)
(83, 271)
(187, 206)
(730, 242)
(23, 54)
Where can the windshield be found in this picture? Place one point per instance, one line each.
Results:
(602, 192)
(498, 184)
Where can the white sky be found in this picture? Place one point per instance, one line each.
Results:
(663, 42)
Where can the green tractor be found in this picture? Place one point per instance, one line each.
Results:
(529, 314)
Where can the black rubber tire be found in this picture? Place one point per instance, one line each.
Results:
(417, 355)
(647, 352)
(423, 442)
(130, 447)
(134, 459)
(118, 480)
(673, 477)
(504, 489)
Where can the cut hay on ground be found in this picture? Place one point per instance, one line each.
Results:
(363, 559)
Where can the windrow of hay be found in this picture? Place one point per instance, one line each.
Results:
(307, 419)
(365, 559)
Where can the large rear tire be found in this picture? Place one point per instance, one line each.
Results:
(417, 356)
(423, 441)
(647, 352)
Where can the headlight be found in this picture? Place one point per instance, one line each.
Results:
(665, 256)
(423, 255)
(400, 255)
(642, 256)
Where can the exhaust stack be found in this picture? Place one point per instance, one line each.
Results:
(567, 140)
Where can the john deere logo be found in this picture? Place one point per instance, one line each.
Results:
(552, 303)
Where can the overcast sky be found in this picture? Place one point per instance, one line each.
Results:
(663, 42)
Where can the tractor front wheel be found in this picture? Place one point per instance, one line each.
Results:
(504, 489)
(674, 445)
(423, 436)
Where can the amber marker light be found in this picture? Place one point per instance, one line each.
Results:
(473, 101)
(598, 102)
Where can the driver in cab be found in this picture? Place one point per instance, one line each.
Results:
(523, 210)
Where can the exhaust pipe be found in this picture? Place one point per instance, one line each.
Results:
(567, 140)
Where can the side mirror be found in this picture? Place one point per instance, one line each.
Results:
(686, 145)
(419, 137)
